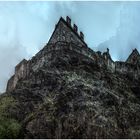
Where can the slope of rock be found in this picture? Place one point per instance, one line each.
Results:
(77, 101)
(67, 94)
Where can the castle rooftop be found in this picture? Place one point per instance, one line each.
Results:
(65, 31)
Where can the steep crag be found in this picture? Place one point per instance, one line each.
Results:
(69, 91)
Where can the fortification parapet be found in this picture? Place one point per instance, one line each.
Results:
(65, 32)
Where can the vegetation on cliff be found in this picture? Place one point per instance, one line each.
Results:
(69, 91)
(9, 127)
(73, 100)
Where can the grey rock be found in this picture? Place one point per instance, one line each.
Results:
(69, 91)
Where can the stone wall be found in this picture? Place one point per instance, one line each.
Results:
(46, 53)
(21, 71)
(134, 57)
(65, 33)
(126, 68)
(108, 61)
(43, 57)
(11, 83)
(102, 59)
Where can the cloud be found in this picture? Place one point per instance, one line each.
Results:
(127, 34)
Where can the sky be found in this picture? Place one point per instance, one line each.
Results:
(25, 27)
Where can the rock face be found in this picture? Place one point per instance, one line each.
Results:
(21, 71)
(69, 91)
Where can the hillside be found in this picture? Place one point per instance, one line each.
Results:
(69, 91)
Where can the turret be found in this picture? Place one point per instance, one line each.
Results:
(68, 20)
(134, 57)
(75, 28)
(66, 32)
(107, 51)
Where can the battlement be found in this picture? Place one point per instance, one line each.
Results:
(68, 20)
(64, 31)
(75, 28)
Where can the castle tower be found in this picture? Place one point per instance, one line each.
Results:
(66, 32)
(134, 57)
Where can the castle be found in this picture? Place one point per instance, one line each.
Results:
(67, 37)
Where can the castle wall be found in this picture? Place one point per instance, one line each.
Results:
(111, 65)
(121, 67)
(127, 68)
(21, 71)
(44, 55)
(11, 83)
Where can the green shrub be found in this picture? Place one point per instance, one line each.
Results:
(9, 128)
(6, 103)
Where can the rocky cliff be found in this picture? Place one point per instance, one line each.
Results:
(69, 91)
